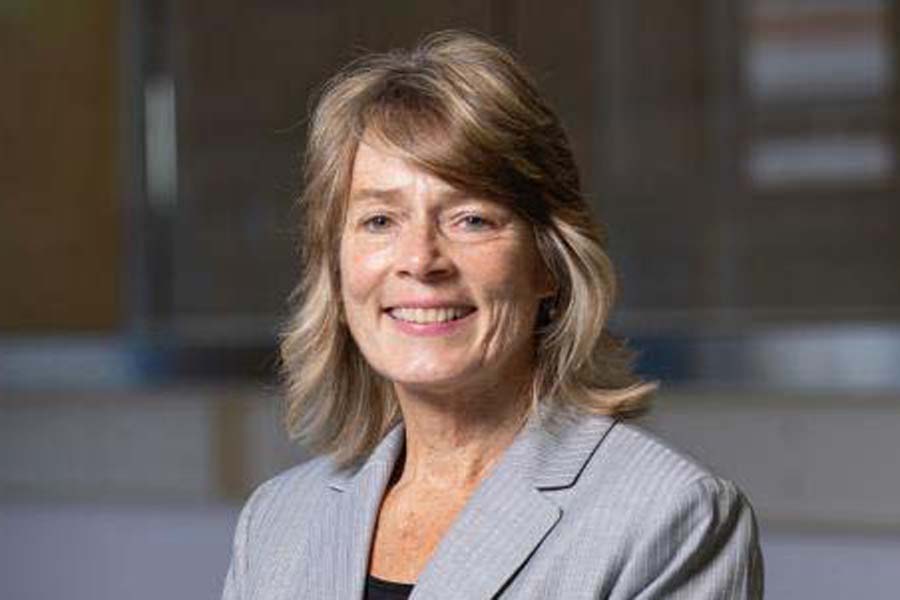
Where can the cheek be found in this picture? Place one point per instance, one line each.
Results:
(511, 288)
(360, 271)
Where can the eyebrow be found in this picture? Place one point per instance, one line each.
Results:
(374, 194)
(393, 194)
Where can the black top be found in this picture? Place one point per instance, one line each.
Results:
(379, 589)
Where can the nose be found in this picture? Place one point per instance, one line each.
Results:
(421, 253)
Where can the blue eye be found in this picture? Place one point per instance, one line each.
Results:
(475, 222)
(377, 223)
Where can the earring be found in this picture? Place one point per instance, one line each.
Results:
(547, 310)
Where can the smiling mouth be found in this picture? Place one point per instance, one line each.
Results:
(424, 316)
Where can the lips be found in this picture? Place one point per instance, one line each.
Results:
(425, 316)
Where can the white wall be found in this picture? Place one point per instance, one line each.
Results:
(95, 552)
(819, 566)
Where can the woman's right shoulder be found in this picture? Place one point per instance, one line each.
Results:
(300, 484)
(278, 510)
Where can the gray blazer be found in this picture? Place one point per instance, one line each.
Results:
(589, 508)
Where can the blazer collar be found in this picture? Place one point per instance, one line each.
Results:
(384, 457)
(508, 516)
(502, 524)
(550, 452)
(554, 447)
(338, 531)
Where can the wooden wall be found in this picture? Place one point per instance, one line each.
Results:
(59, 206)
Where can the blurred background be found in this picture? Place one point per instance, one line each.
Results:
(744, 154)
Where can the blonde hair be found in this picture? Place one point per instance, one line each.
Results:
(462, 108)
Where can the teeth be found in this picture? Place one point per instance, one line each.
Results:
(429, 315)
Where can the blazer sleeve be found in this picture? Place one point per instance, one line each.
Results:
(702, 544)
(236, 580)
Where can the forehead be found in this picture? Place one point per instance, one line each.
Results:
(377, 168)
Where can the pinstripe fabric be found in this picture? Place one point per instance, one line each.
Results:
(580, 508)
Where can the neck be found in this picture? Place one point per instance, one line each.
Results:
(452, 442)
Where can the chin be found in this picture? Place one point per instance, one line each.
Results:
(430, 380)
(437, 379)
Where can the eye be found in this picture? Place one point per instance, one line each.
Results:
(475, 222)
(376, 223)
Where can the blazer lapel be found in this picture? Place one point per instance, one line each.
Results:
(341, 529)
(508, 517)
(499, 528)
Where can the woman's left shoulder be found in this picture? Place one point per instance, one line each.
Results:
(670, 527)
(647, 454)
(624, 442)
(646, 473)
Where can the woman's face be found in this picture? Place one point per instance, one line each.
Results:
(440, 289)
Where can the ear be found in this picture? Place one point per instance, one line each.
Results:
(547, 286)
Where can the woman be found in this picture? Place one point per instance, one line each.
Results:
(448, 362)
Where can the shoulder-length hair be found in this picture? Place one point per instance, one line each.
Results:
(463, 109)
